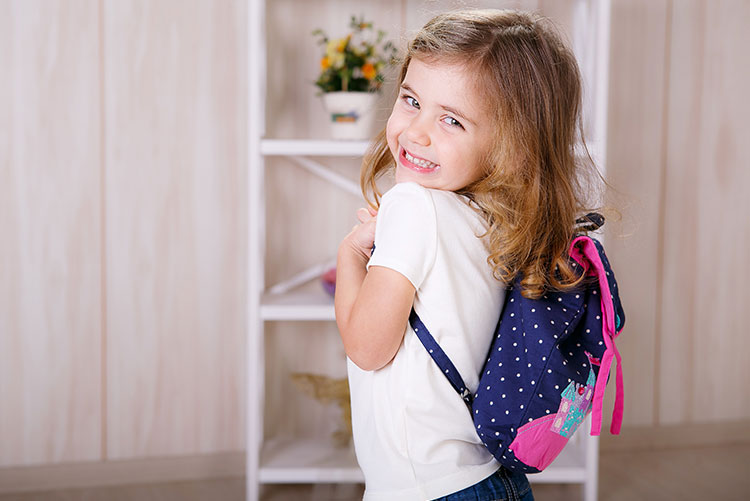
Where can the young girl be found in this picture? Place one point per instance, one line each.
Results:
(481, 142)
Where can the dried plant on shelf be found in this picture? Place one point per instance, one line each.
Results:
(329, 390)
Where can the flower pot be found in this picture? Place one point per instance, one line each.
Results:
(352, 114)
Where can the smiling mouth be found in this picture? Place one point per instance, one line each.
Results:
(415, 163)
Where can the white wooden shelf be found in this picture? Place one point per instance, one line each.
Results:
(307, 461)
(297, 306)
(288, 460)
(313, 147)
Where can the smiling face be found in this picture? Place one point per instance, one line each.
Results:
(438, 132)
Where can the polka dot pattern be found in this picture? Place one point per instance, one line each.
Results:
(540, 347)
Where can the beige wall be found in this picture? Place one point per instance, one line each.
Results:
(122, 217)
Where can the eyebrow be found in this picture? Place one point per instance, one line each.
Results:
(449, 109)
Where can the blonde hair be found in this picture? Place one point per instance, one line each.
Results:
(533, 189)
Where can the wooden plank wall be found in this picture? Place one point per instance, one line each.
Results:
(122, 216)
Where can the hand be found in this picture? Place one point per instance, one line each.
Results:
(362, 236)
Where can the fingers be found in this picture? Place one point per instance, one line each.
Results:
(366, 215)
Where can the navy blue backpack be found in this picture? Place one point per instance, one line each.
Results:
(547, 366)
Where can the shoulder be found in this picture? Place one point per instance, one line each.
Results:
(406, 192)
(406, 202)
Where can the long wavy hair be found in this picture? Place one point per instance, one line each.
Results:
(533, 189)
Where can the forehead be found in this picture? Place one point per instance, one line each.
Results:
(448, 83)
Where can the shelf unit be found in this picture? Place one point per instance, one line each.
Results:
(279, 461)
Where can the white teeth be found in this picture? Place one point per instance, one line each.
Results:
(419, 161)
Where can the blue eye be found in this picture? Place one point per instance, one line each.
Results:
(453, 122)
(411, 101)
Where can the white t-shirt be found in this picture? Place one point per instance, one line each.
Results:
(413, 434)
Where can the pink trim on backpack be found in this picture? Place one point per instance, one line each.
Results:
(588, 257)
(536, 444)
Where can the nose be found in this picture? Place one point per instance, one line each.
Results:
(418, 131)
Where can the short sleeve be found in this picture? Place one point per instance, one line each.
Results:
(406, 232)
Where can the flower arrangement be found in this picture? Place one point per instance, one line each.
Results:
(354, 63)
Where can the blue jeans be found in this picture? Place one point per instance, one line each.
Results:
(503, 485)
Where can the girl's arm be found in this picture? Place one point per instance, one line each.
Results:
(372, 308)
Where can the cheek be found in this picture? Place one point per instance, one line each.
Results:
(392, 132)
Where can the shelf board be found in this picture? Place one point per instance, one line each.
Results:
(313, 147)
(297, 305)
(285, 461)
(317, 461)
(568, 468)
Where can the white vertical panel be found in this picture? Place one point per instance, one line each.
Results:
(721, 268)
(634, 166)
(174, 79)
(677, 329)
(50, 259)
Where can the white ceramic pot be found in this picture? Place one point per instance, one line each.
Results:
(352, 114)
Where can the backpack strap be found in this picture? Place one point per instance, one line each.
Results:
(584, 251)
(439, 356)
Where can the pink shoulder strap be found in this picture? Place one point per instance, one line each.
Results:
(584, 251)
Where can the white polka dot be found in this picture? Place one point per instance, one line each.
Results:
(515, 344)
(531, 419)
(497, 433)
(549, 309)
(536, 326)
(557, 387)
(533, 310)
(529, 365)
(492, 403)
(503, 395)
(540, 395)
(500, 364)
(507, 412)
(517, 359)
(521, 406)
(514, 328)
(559, 299)
(533, 382)
(547, 411)
(544, 358)
(512, 314)
(540, 341)
(502, 379)
(493, 420)
(552, 322)
(488, 387)
(549, 371)
(520, 390)
(518, 375)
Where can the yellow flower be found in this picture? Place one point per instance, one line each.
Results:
(368, 70)
(342, 44)
(325, 63)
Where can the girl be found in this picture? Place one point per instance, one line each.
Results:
(481, 142)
